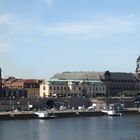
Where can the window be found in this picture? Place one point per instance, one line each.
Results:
(90, 88)
(44, 88)
(96, 88)
(50, 87)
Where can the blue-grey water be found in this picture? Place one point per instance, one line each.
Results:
(86, 128)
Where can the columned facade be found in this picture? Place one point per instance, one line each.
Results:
(68, 88)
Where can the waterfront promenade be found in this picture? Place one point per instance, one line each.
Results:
(63, 113)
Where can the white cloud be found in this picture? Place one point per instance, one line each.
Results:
(66, 28)
(100, 26)
(4, 18)
(48, 2)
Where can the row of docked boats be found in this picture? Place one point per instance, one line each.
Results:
(110, 110)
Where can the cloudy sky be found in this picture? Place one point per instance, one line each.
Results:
(39, 38)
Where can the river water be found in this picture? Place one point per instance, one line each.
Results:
(84, 128)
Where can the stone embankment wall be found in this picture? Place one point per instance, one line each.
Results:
(12, 104)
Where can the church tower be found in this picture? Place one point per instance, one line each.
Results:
(138, 66)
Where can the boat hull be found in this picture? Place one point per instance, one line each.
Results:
(111, 112)
(42, 115)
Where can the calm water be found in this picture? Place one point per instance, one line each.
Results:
(88, 128)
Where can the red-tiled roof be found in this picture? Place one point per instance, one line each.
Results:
(15, 80)
(31, 81)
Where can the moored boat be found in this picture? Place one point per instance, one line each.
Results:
(42, 114)
(111, 112)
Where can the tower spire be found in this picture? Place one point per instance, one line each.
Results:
(138, 65)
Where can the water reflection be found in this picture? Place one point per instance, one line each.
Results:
(91, 128)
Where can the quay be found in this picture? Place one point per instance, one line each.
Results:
(61, 114)
(17, 115)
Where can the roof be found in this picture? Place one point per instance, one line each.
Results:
(15, 80)
(78, 76)
(31, 81)
(99, 76)
(9, 80)
(122, 76)
(18, 81)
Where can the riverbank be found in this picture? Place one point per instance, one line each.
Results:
(61, 114)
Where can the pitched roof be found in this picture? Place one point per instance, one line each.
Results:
(92, 76)
(122, 76)
(78, 76)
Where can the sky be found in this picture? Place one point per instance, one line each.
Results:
(39, 38)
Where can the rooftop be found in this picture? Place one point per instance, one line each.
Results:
(95, 76)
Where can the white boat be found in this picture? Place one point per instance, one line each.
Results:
(110, 112)
(42, 114)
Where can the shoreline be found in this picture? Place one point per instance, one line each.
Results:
(61, 114)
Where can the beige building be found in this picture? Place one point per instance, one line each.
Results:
(65, 88)
(13, 87)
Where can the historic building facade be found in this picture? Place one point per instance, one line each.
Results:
(13, 87)
(88, 84)
(65, 88)
(92, 84)
(117, 82)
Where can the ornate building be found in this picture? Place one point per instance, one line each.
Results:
(67, 88)
(111, 83)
